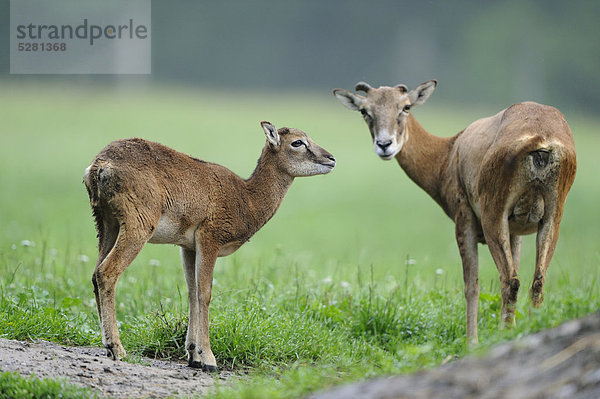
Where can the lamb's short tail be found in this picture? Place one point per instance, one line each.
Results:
(90, 179)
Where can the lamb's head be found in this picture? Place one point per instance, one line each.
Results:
(386, 110)
(296, 153)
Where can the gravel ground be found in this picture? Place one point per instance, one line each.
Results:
(89, 367)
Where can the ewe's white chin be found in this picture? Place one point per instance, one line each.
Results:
(386, 156)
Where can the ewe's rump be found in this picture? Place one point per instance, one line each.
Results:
(528, 165)
(516, 158)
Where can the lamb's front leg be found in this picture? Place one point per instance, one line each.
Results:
(204, 273)
(198, 266)
(188, 258)
(205, 263)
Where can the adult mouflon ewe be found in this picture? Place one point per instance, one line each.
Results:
(502, 177)
(142, 192)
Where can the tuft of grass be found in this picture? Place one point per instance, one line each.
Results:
(12, 385)
(32, 315)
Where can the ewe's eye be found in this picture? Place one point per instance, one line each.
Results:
(297, 143)
(365, 114)
(406, 108)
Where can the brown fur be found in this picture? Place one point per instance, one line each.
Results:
(500, 178)
(142, 192)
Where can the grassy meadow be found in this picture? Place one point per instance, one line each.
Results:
(357, 274)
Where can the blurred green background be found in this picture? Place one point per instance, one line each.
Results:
(480, 51)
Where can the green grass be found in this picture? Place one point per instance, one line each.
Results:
(12, 385)
(324, 293)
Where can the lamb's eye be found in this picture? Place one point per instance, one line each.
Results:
(406, 107)
(297, 143)
(365, 113)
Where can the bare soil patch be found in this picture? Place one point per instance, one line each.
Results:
(89, 367)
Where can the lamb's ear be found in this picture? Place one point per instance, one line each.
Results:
(350, 100)
(422, 92)
(271, 133)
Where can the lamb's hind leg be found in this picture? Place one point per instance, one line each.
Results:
(131, 238)
(108, 230)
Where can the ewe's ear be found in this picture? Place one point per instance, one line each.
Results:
(422, 92)
(271, 133)
(351, 100)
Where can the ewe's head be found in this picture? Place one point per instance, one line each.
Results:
(386, 110)
(296, 153)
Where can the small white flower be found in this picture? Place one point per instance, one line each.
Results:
(83, 258)
(27, 243)
(411, 262)
(154, 262)
(345, 285)
(14, 246)
(439, 272)
(327, 280)
(53, 252)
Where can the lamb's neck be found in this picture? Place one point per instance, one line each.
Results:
(266, 188)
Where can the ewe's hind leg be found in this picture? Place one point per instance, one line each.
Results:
(131, 239)
(546, 239)
(495, 229)
(515, 247)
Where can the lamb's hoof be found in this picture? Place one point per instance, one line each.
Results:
(114, 352)
(205, 367)
(209, 369)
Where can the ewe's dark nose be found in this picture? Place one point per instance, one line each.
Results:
(383, 144)
(330, 157)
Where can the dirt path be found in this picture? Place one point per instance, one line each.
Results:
(86, 366)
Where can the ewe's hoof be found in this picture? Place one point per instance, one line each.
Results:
(205, 367)
(536, 299)
(537, 293)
